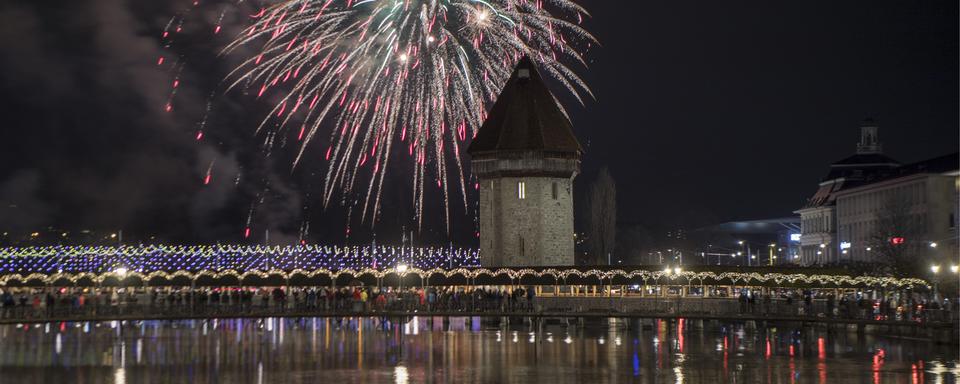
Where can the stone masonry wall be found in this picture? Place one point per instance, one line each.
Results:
(534, 231)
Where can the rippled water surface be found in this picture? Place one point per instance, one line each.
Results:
(460, 350)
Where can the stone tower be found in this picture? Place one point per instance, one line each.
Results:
(525, 157)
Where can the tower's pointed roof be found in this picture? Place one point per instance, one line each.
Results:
(525, 117)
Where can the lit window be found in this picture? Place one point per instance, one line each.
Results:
(522, 190)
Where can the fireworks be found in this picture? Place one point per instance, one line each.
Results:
(383, 77)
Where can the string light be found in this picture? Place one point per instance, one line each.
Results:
(151, 258)
(97, 263)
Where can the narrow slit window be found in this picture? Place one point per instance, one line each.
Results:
(521, 247)
(521, 190)
(555, 190)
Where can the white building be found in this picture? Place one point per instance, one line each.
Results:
(818, 218)
(840, 222)
(926, 192)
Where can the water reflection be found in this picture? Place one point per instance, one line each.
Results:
(460, 349)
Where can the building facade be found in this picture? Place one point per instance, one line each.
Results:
(868, 200)
(919, 198)
(525, 157)
(818, 218)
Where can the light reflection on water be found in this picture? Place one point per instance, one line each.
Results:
(459, 349)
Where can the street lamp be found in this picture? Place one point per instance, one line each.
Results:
(933, 244)
(936, 280)
(953, 268)
(121, 272)
(772, 246)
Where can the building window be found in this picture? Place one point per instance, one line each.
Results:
(555, 190)
(521, 247)
(953, 221)
(521, 190)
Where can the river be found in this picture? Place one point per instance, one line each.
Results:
(460, 350)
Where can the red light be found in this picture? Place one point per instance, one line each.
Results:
(897, 240)
(821, 350)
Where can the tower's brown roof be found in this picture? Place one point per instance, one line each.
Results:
(525, 117)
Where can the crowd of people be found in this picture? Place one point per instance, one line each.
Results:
(34, 303)
(894, 306)
(63, 302)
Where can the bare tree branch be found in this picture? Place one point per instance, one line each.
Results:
(603, 217)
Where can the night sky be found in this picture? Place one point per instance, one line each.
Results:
(705, 111)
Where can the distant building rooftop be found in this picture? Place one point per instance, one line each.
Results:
(838, 180)
(762, 226)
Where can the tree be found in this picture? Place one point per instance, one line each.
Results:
(602, 217)
(633, 243)
(895, 236)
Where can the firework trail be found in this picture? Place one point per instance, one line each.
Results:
(206, 179)
(381, 76)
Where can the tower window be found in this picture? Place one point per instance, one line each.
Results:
(521, 190)
(555, 191)
(521, 247)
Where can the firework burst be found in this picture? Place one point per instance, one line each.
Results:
(383, 77)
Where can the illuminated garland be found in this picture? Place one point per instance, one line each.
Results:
(49, 265)
(472, 275)
(151, 258)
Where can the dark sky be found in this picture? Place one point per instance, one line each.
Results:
(705, 111)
